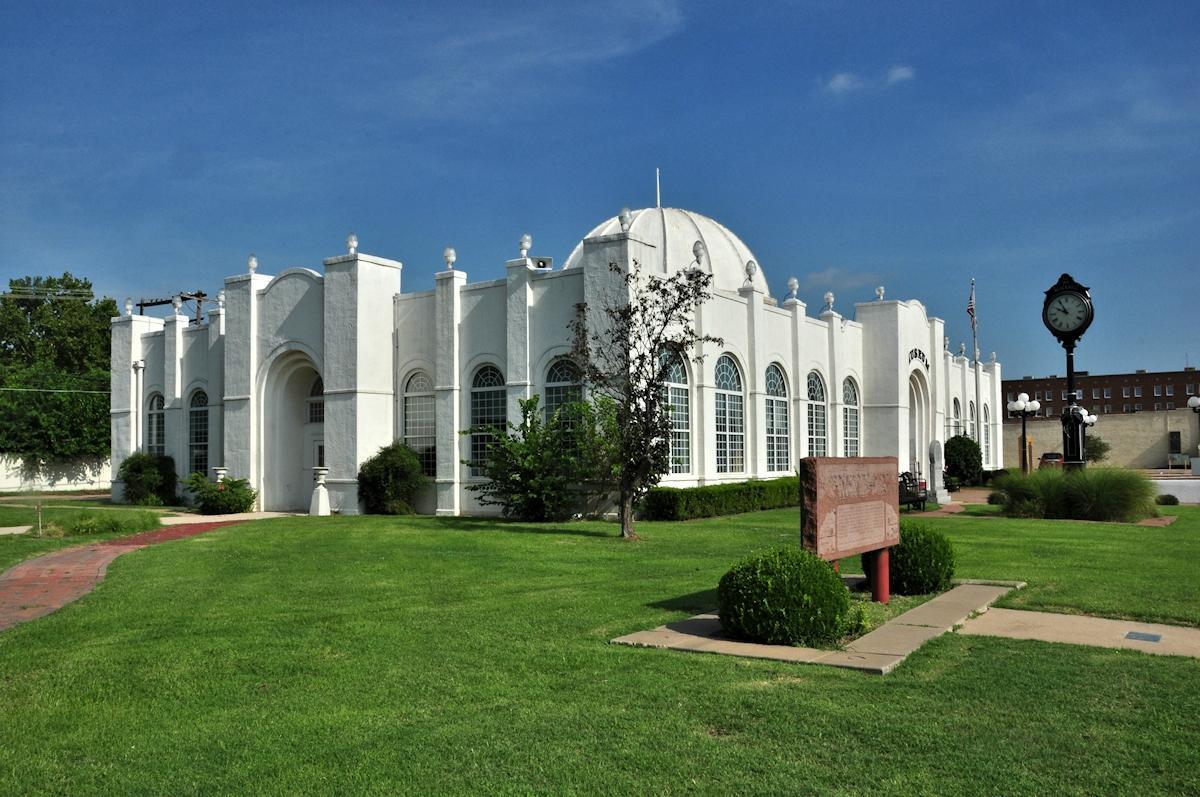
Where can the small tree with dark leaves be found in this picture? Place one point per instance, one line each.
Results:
(621, 349)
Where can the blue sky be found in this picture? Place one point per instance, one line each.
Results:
(152, 147)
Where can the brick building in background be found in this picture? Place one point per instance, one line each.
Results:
(1142, 415)
(1109, 394)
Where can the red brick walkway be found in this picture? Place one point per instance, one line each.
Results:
(43, 585)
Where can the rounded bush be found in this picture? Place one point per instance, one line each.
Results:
(149, 479)
(786, 596)
(996, 498)
(964, 460)
(923, 562)
(226, 497)
(388, 481)
(1166, 499)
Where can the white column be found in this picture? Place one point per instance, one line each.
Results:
(452, 447)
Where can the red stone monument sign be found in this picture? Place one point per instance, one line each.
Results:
(851, 505)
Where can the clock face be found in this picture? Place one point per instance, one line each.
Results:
(1066, 312)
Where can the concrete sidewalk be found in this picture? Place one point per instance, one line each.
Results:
(1169, 640)
(878, 652)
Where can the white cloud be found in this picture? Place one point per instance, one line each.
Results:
(843, 82)
(899, 73)
(846, 82)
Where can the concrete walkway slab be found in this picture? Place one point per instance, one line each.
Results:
(878, 652)
(951, 608)
(1080, 630)
(15, 529)
(185, 520)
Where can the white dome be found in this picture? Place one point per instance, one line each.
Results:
(674, 232)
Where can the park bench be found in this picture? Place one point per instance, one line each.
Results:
(913, 491)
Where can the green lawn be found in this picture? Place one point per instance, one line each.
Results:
(423, 656)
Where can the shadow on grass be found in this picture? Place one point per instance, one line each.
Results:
(702, 601)
(519, 527)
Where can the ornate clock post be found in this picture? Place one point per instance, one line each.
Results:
(1067, 313)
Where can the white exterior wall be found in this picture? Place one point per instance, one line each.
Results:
(353, 327)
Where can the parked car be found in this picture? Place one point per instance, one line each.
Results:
(1051, 459)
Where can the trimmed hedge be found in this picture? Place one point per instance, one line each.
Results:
(922, 563)
(73, 524)
(388, 481)
(1166, 499)
(226, 497)
(786, 596)
(149, 479)
(711, 500)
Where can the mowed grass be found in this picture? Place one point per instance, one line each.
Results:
(15, 548)
(428, 656)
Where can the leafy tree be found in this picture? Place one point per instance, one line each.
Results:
(552, 469)
(620, 347)
(964, 460)
(1095, 448)
(54, 370)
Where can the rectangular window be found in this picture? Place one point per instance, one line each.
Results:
(1037, 395)
(1011, 397)
(1137, 407)
(1107, 409)
(1095, 392)
(1170, 405)
(816, 429)
(1125, 408)
(487, 410)
(850, 428)
(419, 430)
(1049, 412)
(1137, 391)
(681, 431)
(729, 422)
(1158, 390)
(777, 434)
(1108, 392)
(1157, 406)
(1170, 390)
(157, 433)
(1191, 388)
(1064, 395)
(1125, 392)
(198, 440)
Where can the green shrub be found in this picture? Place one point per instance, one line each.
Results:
(226, 497)
(1166, 499)
(923, 562)
(685, 503)
(149, 479)
(996, 498)
(964, 460)
(549, 469)
(73, 524)
(787, 596)
(1103, 494)
(953, 484)
(990, 476)
(388, 481)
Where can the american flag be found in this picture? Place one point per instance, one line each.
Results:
(971, 306)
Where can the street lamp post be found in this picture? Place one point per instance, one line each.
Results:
(1194, 406)
(1025, 408)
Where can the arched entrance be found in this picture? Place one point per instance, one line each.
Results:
(919, 422)
(292, 416)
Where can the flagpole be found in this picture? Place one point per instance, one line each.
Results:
(978, 389)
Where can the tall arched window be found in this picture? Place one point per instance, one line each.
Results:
(420, 433)
(777, 420)
(956, 421)
(730, 417)
(488, 408)
(816, 415)
(198, 433)
(679, 407)
(156, 426)
(316, 402)
(563, 386)
(971, 420)
(987, 437)
(850, 430)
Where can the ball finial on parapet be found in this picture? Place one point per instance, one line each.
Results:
(351, 244)
(751, 270)
(626, 219)
(698, 253)
(221, 299)
(829, 301)
(252, 264)
(793, 286)
(177, 303)
(128, 305)
(879, 294)
(526, 244)
(449, 255)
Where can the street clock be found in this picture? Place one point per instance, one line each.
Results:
(1067, 311)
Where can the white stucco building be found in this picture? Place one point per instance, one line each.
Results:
(321, 368)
